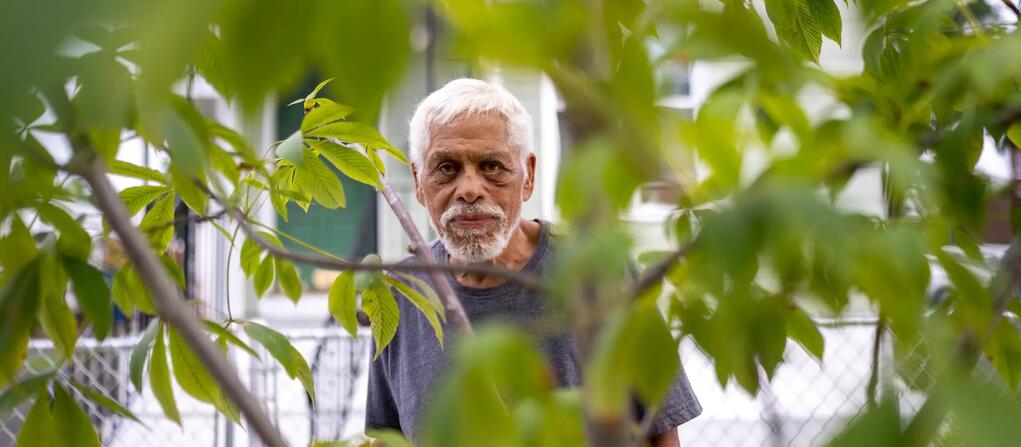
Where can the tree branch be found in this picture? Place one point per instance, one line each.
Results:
(193, 219)
(656, 273)
(167, 298)
(455, 312)
(1013, 8)
(529, 281)
(171, 306)
(526, 280)
(877, 344)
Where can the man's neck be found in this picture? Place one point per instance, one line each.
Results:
(523, 242)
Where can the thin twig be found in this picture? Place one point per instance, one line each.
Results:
(976, 26)
(1013, 8)
(654, 274)
(455, 312)
(529, 281)
(230, 253)
(877, 344)
(194, 219)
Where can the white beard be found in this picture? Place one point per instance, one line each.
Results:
(476, 245)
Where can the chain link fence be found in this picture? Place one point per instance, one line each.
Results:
(805, 404)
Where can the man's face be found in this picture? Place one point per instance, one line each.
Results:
(473, 183)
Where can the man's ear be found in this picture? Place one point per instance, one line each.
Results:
(419, 194)
(529, 187)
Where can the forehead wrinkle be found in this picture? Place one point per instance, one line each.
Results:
(454, 152)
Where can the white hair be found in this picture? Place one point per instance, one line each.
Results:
(465, 96)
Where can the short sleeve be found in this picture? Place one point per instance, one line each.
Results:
(380, 408)
(679, 406)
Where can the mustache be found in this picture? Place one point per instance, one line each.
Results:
(461, 209)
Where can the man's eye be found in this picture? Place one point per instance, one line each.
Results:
(491, 167)
(446, 168)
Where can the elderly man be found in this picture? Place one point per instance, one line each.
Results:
(473, 166)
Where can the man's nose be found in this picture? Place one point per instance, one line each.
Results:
(470, 188)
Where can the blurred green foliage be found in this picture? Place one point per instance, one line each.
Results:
(765, 249)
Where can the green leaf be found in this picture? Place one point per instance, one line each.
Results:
(137, 197)
(70, 423)
(189, 371)
(389, 438)
(421, 302)
(159, 377)
(826, 14)
(38, 429)
(106, 38)
(878, 427)
(229, 336)
(654, 353)
(126, 169)
(189, 191)
(101, 399)
(209, 62)
(1004, 350)
(156, 223)
(785, 110)
(292, 149)
(263, 276)
(342, 302)
(381, 308)
(319, 87)
(635, 351)
(287, 277)
(173, 269)
(186, 135)
(55, 315)
(92, 294)
(136, 363)
(233, 138)
(882, 52)
(802, 329)
(376, 161)
(796, 26)
(17, 392)
(282, 350)
(264, 44)
(271, 238)
(325, 112)
(986, 414)
(425, 288)
(19, 301)
(73, 237)
(324, 185)
(352, 132)
(105, 98)
(366, 63)
(121, 292)
(1014, 134)
(18, 248)
(279, 201)
(349, 161)
(129, 293)
(250, 252)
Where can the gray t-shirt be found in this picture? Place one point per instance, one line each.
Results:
(404, 375)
